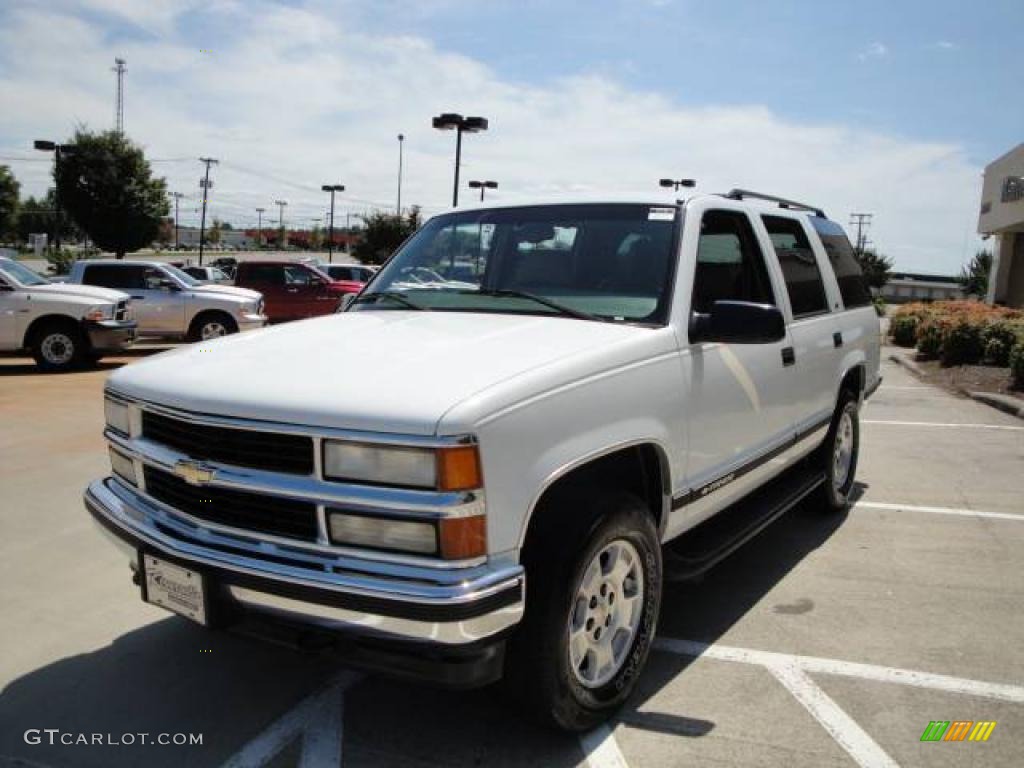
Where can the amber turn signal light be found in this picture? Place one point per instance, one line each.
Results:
(458, 468)
(463, 537)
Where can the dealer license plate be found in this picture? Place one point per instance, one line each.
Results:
(175, 588)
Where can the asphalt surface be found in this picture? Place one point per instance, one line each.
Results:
(827, 641)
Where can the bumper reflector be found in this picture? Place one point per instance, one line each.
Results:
(463, 537)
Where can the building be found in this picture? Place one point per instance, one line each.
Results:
(1002, 219)
(913, 286)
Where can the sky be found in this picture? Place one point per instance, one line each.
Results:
(888, 107)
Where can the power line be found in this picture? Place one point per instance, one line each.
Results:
(862, 221)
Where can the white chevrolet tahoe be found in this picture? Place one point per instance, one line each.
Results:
(494, 475)
(172, 304)
(62, 325)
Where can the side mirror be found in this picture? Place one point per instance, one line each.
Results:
(738, 322)
(346, 300)
(168, 285)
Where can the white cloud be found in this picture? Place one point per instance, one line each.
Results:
(873, 50)
(946, 45)
(301, 99)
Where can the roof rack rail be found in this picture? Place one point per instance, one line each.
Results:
(739, 194)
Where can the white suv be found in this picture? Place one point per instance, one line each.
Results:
(495, 474)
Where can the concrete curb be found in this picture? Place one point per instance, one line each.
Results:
(1004, 403)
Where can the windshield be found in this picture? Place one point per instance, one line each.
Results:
(606, 262)
(184, 277)
(21, 273)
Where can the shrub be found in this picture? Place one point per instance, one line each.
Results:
(997, 352)
(999, 337)
(1017, 363)
(903, 329)
(930, 335)
(879, 304)
(961, 342)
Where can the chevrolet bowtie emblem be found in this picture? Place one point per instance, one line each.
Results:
(193, 472)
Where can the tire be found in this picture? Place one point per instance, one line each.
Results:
(561, 666)
(838, 455)
(211, 325)
(58, 346)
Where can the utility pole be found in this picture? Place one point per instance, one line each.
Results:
(206, 185)
(862, 221)
(280, 221)
(177, 196)
(259, 228)
(332, 188)
(401, 141)
(119, 69)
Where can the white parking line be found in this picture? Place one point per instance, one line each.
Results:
(840, 726)
(939, 510)
(601, 749)
(895, 675)
(942, 424)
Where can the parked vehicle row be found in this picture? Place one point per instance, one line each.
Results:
(555, 408)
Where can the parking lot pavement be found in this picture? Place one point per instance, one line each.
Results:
(827, 641)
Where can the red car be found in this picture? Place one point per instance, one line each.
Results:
(291, 290)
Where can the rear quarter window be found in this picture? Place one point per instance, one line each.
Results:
(841, 258)
(115, 276)
(799, 266)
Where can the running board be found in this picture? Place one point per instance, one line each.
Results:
(701, 548)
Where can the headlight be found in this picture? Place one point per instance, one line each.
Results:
(117, 416)
(453, 468)
(122, 466)
(383, 533)
(100, 312)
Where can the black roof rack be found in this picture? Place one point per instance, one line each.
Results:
(739, 194)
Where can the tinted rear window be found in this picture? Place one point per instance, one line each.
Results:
(115, 276)
(852, 287)
(799, 266)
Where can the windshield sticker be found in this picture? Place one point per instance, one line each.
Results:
(661, 214)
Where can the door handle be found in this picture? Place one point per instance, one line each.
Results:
(837, 339)
(292, 290)
(788, 356)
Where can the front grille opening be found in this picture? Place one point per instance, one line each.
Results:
(235, 509)
(270, 451)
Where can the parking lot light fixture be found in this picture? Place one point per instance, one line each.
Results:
(451, 121)
(52, 146)
(332, 188)
(677, 183)
(483, 186)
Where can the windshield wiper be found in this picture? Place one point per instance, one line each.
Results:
(395, 296)
(560, 308)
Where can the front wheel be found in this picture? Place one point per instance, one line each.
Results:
(212, 325)
(591, 615)
(58, 347)
(839, 453)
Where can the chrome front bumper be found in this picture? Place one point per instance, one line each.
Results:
(441, 607)
(251, 322)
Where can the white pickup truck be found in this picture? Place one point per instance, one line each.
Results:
(172, 304)
(61, 325)
(493, 472)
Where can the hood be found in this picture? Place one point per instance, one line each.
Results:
(75, 290)
(380, 371)
(231, 291)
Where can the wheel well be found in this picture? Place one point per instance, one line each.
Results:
(43, 321)
(853, 381)
(208, 313)
(639, 469)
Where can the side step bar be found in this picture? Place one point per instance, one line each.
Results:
(701, 548)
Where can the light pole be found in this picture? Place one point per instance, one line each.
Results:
(483, 185)
(177, 196)
(676, 184)
(449, 121)
(259, 228)
(206, 185)
(280, 222)
(332, 188)
(57, 149)
(401, 142)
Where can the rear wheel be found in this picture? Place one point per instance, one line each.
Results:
(839, 453)
(58, 346)
(212, 325)
(591, 615)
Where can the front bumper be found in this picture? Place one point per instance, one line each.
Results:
(251, 322)
(445, 610)
(110, 335)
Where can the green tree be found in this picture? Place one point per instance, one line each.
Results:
(39, 216)
(974, 277)
(213, 235)
(9, 191)
(107, 186)
(876, 268)
(383, 233)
